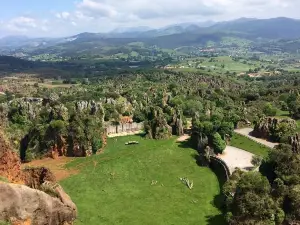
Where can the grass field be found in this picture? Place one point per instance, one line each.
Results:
(242, 142)
(140, 184)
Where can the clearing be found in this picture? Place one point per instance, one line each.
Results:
(57, 166)
(140, 184)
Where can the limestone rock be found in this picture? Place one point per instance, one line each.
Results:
(274, 128)
(177, 124)
(23, 205)
(294, 141)
(157, 127)
(199, 141)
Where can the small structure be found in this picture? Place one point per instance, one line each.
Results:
(126, 125)
(132, 143)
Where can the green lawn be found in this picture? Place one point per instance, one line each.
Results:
(140, 184)
(244, 143)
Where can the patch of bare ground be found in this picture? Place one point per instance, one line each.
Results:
(183, 138)
(57, 166)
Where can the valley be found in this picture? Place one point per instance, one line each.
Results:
(185, 124)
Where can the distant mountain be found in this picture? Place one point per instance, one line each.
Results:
(121, 30)
(275, 28)
(12, 40)
(173, 36)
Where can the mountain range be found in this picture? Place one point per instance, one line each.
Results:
(173, 36)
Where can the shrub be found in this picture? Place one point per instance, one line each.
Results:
(219, 144)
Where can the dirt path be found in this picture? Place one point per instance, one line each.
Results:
(183, 138)
(237, 158)
(246, 132)
(57, 166)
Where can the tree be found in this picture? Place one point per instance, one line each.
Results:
(252, 202)
(256, 161)
(226, 128)
(269, 110)
(218, 143)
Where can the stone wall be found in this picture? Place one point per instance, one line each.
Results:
(123, 128)
(222, 174)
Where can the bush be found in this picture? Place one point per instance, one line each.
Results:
(219, 144)
(269, 110)
(96, 145)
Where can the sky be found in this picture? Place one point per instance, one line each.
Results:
(58, 18)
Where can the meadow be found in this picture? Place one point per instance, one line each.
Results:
(140, 184)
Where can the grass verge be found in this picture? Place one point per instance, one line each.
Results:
(249, 145)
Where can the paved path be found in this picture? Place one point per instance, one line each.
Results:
(237, 158)
(247, 131)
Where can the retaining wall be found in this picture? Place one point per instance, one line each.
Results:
(215, 162)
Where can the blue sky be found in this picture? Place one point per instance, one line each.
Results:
(14, 8)
(55, 18)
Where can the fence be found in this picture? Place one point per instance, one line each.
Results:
(124, 128)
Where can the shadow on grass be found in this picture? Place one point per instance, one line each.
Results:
(219, 200)
(216, 220)
(142, 135)
(184, 144)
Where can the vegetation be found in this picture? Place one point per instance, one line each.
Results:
(140, 181)
(245, 143)
(60, 101)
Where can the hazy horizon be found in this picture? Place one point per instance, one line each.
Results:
(66, 18)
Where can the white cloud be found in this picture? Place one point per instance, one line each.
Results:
(25, 25)
(21, 24)
(105, 15)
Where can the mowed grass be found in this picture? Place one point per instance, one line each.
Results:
(139, 184)
(246, 144)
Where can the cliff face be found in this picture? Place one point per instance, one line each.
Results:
(10, 165)
(29, 203)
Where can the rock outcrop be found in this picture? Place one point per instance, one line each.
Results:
(10, 166)
(23, 205)
(294, 141)
(36, 177)
(36, 202)
(177, 125)
(157, 127)
(274, 128)
(199, 141)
